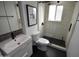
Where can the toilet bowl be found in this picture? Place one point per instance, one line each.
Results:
(41, 43)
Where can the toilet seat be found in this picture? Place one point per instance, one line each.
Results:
(42, 41)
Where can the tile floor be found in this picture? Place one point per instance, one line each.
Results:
(51, 52)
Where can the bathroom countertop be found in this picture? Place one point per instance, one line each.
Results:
(10, 45)
(4, 42)
(8, 40)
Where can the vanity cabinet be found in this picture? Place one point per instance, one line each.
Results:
(24, 51)
(9, 17)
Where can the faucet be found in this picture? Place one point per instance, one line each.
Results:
(12, 35)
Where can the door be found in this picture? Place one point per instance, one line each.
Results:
(73, 35)
(4, 26)
(74, 18)
(73, 48)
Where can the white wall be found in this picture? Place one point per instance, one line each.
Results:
(59, 29)
(27, 30)
(41, 10)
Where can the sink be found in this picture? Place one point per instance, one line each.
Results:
(12, 45)
(20, 38)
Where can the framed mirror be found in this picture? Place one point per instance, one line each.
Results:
(31, 15)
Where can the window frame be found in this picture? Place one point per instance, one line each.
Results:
(56, 14)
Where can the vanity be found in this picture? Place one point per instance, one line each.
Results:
(21, 46)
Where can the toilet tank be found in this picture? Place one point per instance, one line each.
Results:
(36, 36)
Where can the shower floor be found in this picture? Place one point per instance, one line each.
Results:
(55, 41)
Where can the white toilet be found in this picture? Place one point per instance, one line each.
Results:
(41, 43)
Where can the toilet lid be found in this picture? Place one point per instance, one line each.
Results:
(43, 41)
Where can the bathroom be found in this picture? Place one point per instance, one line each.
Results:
(27, 30)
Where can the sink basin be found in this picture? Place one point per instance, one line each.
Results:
(20, 38)
(12, 45)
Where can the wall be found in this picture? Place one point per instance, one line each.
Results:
(27, 30)
(59, 30)
(41, 10)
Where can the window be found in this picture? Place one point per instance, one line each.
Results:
(55, 12)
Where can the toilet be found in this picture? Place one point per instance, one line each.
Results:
(41, 43)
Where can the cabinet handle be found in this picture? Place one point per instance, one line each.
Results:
(6, 16)
(70, 27)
